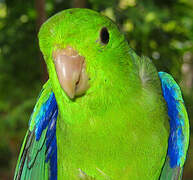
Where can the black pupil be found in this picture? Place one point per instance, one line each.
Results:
(104, 35)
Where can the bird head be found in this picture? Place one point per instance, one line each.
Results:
(85, 53)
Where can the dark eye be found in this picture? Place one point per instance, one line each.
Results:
(104, 35)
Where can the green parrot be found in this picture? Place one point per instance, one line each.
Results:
(105, 113)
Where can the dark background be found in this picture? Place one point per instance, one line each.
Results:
(159, 29)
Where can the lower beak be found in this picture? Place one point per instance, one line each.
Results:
(71, 71)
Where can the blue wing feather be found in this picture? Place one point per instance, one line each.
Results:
(179, 128)
(38, 157)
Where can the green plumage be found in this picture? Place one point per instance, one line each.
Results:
(119, 129)
(31, 162)
(121, 121)
(111, 137)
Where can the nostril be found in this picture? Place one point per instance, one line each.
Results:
(78, 81)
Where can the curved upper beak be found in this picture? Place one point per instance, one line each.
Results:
(71, 71)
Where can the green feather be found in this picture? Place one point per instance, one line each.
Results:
(119, 128)
(169, 173)
(31, 162)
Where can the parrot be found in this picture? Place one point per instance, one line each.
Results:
(105, 112)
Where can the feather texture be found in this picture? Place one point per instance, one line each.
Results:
(38, 156)
(179, 128)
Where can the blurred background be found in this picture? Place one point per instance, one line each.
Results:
(161, 30)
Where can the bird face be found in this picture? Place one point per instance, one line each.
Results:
(83, 48)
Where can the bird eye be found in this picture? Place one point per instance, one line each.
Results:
(104, 35)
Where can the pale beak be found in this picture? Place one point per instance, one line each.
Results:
(71, 71)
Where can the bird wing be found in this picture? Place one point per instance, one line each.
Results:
(179, 129)
(38, 155)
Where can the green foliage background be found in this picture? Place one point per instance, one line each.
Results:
(161, 30)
